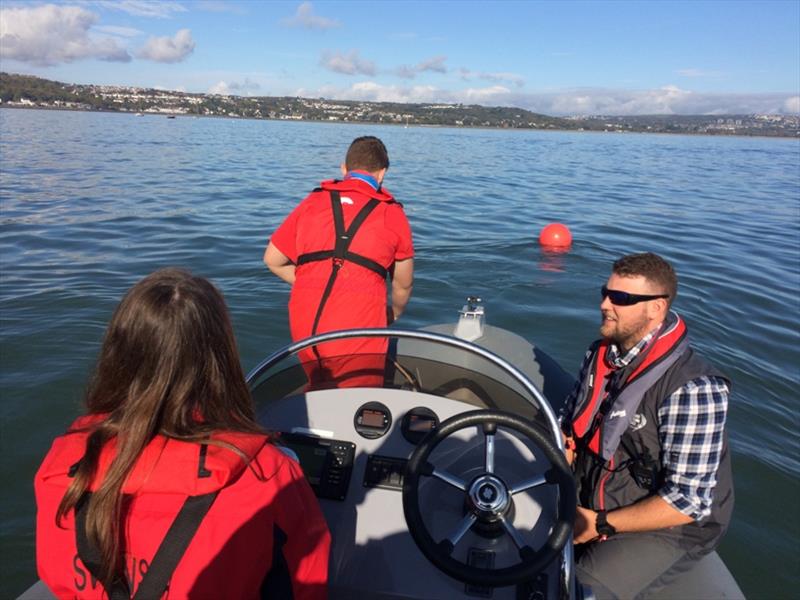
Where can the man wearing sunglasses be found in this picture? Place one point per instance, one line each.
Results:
(645, 433)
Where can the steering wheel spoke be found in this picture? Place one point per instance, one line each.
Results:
(512, 532)
(466, 524)
(528, 484)
(489, 452)
(449, 478)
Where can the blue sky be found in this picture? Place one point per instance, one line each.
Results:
(558, 58)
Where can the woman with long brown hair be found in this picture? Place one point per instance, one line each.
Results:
(168, 487)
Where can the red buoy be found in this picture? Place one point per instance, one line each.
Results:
(555, 235)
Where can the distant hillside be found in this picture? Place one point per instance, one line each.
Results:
(28, 91)
(18, 87)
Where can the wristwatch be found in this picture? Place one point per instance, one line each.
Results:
(603, 527)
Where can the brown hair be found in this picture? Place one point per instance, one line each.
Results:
(168, 366)
(653, 268)
(367, 153)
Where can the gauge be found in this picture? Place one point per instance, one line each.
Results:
(372, 420)
(417, 422)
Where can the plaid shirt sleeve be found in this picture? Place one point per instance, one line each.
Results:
(691, 424)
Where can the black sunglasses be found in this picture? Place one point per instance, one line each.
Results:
(625, 299)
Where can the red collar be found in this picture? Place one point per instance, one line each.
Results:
(356, 185)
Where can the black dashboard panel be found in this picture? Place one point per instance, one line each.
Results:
(327, 464)
(384, 472)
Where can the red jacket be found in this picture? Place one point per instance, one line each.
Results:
(232, 551)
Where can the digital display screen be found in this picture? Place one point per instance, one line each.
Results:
(312, 459)
(420, 424)
(372, 418)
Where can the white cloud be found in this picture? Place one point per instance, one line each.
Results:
(663, 101)
(669, 100)
(222, 88)
(594, 101)
(48, 35)
(370, 91)
(792, 105)
(483, 95)
(435, 64)
(161, 9)
(349, 64)
(238, 88)
(512, 78)
(168, 49)
(305, 17)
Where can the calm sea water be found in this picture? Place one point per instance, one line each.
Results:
(90, 203)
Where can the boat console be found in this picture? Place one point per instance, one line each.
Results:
(448, 481)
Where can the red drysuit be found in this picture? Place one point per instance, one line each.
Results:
(254, 526)
(358, 296)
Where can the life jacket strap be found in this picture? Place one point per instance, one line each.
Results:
(358, 259)
(340, 251)
(624, 388)
(344, 238)
(167, 557)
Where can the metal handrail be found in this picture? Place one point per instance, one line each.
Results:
(447, 340)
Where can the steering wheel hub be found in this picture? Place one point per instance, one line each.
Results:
(488, 497)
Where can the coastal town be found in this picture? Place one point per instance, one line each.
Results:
(22, 91)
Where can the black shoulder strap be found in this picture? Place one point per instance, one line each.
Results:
(341, 241)
(89, 554)
(174, 545)
(343, 238)
(167, 557)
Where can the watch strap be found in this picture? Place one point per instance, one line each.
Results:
(603, 527)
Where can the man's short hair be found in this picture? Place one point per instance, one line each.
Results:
(653, 268)
(367, 153)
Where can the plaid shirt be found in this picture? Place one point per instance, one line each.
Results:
(691, 421)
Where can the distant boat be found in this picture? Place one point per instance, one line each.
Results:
(170, 116)
(139, 114)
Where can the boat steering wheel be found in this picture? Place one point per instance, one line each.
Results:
(488, 500)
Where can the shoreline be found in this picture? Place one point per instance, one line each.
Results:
(165, 114)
